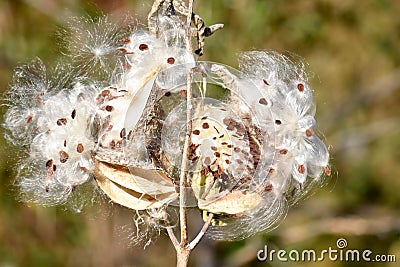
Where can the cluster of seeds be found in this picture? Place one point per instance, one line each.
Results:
(221, 149)
(248, 155)
(259, 148)
(67, 127)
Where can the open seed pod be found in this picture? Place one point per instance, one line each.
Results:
(227, 147)
(128, 167)
(252, 140)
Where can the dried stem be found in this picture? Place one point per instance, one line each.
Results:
(183, 251)
(183, 248)
(203, 230)
(183, 182)
(170, 232)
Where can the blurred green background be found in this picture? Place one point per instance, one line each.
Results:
(353, 49)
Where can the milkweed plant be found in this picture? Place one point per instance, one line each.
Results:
(129, 114)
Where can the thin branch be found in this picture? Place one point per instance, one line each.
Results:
(203, 230)
(188, 35)
(186, 149)
(170, 232)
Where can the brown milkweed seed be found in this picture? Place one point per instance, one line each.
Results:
(80, 148)
(63, 156)
(143, 47)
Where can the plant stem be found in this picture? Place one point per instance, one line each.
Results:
(203, 230)
(170, 232)
(183, 248)
(183, 251)
(182, 257)
(183, 183)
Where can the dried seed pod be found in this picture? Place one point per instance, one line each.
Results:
(133, 187)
